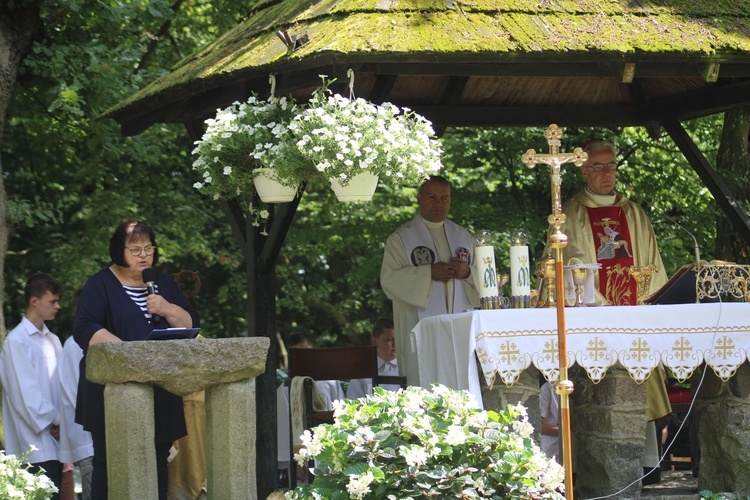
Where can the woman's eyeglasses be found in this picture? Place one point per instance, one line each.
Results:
(136, 251)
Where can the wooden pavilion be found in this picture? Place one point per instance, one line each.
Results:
(488, 63)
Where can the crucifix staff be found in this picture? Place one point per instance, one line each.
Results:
(564, 387)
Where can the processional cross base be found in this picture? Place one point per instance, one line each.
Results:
(564, 387)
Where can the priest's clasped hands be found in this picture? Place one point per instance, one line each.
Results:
(446, 271)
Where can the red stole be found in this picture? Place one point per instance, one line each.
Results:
(614, 252)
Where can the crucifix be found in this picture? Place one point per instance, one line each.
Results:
(564, 387)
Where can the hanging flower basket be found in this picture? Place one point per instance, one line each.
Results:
(361, 187)
(270, 189)
(244, 137)
(345, 137)
(241, 138)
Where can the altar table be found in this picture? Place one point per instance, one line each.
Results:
(508, 341)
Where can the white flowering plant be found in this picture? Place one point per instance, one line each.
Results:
(418, 443)
(344, 137)
(246, 136)
(17, 482)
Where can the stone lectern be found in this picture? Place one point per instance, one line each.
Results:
(224, 368)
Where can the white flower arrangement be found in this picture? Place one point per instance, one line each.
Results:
(344, 137)
(331, 137)
(422, 444)
(17, 482)
(246, 136)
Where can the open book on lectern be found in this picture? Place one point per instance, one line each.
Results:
(680, 289)
(173, 333)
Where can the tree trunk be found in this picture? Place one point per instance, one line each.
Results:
(733, 163)
(19, 25)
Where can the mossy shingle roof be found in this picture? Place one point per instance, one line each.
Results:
(489, 43)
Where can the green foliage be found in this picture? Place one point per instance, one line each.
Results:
(71, 180)
(329, 269)
(417, 443)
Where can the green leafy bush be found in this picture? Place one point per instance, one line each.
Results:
(17, 482)
(417, 443)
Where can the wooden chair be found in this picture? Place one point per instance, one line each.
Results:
(331, 363)
(686, 440)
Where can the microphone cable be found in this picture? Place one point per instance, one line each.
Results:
(689, 412)
(695, 393)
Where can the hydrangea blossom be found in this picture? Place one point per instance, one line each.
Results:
(418, 443)
(16, 481)
(359, 485)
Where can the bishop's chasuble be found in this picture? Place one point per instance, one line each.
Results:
(613, 230)
(619, 233)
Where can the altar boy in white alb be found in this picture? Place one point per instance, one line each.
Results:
(28, 363)
(426, 269)
(384, 339)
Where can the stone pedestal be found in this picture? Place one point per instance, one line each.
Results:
(525, 392)
(722, 414)
(230, 433)
(129, 435)
(608, 422)
(224, 368)
(608, 429)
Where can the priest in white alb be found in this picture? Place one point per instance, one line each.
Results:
(426, 270)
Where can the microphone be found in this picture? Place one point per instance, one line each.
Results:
(149, 277)
(696, 248)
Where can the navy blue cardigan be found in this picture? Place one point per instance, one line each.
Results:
(105, 304)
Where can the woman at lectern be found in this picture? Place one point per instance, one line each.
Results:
(125, 302)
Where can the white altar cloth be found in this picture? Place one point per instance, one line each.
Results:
(508, 341)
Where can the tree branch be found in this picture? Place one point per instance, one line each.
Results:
(163, 31)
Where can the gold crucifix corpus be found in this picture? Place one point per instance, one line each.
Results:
(564, 387)
(555, 159)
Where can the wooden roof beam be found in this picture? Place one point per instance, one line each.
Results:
(701, 103)
(721, 193)
(707, 102)
(382, 88)
(635, 90)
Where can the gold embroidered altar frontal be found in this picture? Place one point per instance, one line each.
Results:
(508, 341)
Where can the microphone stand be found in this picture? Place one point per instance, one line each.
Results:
(696, 247)
(558, 241)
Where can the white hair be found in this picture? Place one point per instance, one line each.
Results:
(599, 144)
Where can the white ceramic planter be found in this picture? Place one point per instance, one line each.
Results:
(270, 190)
(361, 187)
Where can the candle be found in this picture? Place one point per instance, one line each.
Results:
(486, 278)
(520, 275)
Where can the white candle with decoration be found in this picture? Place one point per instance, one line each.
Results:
(520, 274)
(486, 277)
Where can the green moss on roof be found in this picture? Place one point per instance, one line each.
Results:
(702, 29)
